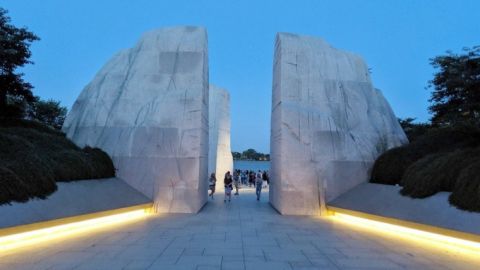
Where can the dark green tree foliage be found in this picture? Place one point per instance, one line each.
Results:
(436, 172)
(22, 123)
(236, 155)
(466, 194)
(413, 130)
(252, 154)
(48, 112)
(456, 88)
(33, 157)
(390, 167)
(14, 53)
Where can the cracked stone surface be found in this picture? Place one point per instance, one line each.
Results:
(328, 124)
(148, 109)
(220, 159)
(244, 235)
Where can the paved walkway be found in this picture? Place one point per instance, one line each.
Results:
(243, 234)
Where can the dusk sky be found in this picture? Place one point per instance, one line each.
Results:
(395, 38)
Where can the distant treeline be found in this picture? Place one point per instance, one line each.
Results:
(250, 154)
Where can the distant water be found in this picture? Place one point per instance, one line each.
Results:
(251, 165)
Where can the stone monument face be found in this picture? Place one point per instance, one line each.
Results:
(220, 158)
(328, 124)
(148, 109)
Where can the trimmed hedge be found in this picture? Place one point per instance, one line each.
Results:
(418, 180)
(436, 172)
(33, 157)
(444, 159)
(391, 166)
(466, 194)
(102, 165)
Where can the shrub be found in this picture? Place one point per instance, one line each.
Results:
(23, 173)
(466, 194)
(90, 163)
(100, 162)
(34, 157)
(448, 139)
(12, 122)
(418, 181)
(390, 167)
(72, 165)
(436, 172)
(12, 186)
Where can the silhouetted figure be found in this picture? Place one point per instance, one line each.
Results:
(258, 184)
(211, 184)
(265, 178)
(227, 181)
(236, 181)
(244, 177)
(251, 179)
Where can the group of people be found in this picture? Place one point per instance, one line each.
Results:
(258, 179)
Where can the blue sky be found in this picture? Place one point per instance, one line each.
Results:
(396, 39)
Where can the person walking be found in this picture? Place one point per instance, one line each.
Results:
(227, 181)
(251, 177)
(236, 181)
(258, 184)
(243, 177)
(264, 178)
(211, 184)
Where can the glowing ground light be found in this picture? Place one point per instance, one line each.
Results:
(24, 239)
(419, 236)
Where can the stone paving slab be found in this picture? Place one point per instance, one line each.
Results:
(244, 234)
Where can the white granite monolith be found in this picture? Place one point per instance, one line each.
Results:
(220, 158)
(148, 109)
(328, 124)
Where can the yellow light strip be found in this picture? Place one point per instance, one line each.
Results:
(431, 239)
(14, 241)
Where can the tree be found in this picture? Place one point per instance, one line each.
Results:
(249, 154)
(236, 155)
(252, 154)
(14, 53)
(413, 130)
(456, 88)
(48, 112)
